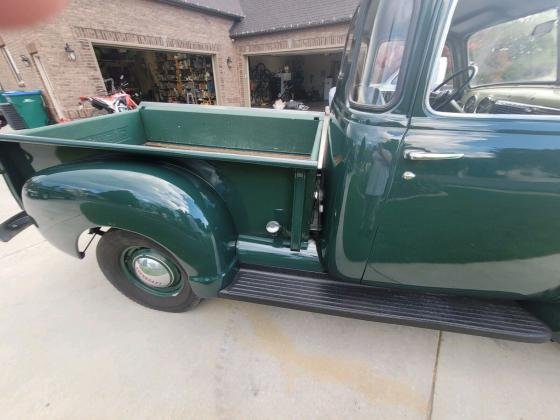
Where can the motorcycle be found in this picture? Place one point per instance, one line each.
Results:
(117, 101)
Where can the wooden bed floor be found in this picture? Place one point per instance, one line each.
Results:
(228, 151)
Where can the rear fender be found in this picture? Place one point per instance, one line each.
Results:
(165, 203)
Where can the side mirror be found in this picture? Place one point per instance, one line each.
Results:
(332, 92)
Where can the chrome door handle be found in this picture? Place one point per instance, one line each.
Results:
(419, 155)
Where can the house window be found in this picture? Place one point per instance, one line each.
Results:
(12, 64)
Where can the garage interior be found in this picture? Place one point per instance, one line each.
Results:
(305, 78)
(160, 76)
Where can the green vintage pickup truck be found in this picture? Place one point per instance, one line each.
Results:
(429, 196)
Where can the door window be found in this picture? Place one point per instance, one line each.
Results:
(349, 47)
(381, 53)
(507, 60)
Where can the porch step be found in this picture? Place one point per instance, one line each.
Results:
(497, 319)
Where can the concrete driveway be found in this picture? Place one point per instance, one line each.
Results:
(72, 347)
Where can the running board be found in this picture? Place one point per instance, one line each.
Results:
(497, 319)
(14, 225)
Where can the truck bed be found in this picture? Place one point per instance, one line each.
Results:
(274, 155)
(262, 162)
(266, 136)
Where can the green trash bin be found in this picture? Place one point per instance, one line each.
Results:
(30, 106)
(3, 120)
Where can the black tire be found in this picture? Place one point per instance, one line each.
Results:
(110, 250)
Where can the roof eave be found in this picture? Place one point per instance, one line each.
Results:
(205, 9)
(287, 28)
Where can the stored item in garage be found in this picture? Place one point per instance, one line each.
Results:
(118, 99)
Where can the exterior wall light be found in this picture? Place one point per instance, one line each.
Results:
(25, 60)
(229, 62)
(70, 52)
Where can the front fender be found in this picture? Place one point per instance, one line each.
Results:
(162, 202)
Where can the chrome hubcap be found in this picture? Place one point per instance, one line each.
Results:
(152, 271)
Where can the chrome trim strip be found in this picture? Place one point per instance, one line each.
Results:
(420, 155)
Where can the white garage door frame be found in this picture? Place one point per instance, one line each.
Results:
(124, 45)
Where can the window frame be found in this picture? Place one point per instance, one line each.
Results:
(397, 97)
(348, 51)
(12, 65)
(432, 65)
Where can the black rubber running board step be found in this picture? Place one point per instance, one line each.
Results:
(14, 225)
(497, 319)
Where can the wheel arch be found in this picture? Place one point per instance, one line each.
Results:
(162, 202)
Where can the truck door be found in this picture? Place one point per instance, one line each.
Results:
(369, 120)
(475, 202)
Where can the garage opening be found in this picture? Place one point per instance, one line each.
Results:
(302, 78)
(160, 76)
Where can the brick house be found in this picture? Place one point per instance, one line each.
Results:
(211, 51)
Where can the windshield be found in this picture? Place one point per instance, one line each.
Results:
(522, 50)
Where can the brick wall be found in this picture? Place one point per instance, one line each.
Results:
(147, 24)
(132, 23)
(16, 44)
(326, 38)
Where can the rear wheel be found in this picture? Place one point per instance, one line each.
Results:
(144, 271)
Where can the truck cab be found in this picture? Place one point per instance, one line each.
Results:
(429, 194)
(451, 178)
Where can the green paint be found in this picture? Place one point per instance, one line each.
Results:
(266, 252)
(297, 210)
(290, 133)
(164, 203)
(484, 225)
(268, 131)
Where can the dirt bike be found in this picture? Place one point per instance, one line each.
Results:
(117, 101)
